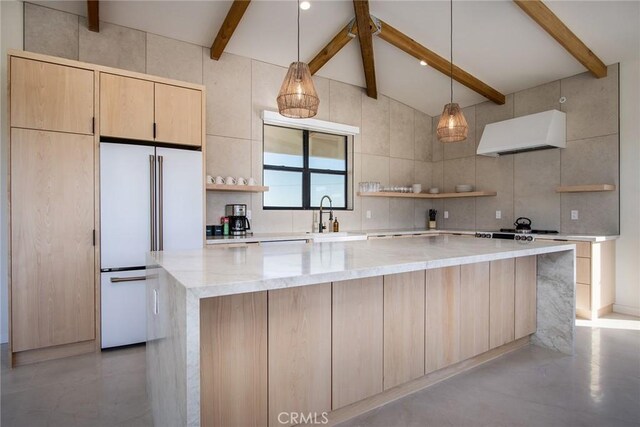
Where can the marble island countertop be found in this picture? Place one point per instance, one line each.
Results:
(301, 235)
(216, 271)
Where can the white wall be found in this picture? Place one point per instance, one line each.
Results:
(10, 38)
(628, 246)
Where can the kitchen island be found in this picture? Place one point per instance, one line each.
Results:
(281, 335)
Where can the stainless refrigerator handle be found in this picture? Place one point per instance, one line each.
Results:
(128, 279)
(160, 203)
(152, 199)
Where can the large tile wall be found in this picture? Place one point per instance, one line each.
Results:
(397, 144)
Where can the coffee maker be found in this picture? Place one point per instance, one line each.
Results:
(238, 222)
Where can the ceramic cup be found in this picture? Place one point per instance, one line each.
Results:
(241, 181)
(251, 181)
(417, 188)
(434, 190)
(230, 180)
(219, 180)
(210, 179)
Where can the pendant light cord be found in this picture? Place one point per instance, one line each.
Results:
(298, 30)
(451, 49)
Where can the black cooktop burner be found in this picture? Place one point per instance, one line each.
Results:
(513, 230)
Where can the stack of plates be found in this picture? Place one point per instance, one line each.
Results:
(464, 188)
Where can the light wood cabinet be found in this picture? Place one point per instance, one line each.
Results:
(525, 296)
(51, 97)
(501, 302)
(52, 222)
(139, 109)
(233, 365)
(404, 310)
(126, 107)
(178, 115)
(474, 309)
(442, 318)
(299, 351)
(357, 340)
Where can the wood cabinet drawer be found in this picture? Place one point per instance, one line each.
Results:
(583, 297)
(583, 249)
(583, 270)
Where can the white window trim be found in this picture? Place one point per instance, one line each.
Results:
(274, 118)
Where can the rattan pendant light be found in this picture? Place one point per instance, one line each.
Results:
(452, 126)
(298, 98)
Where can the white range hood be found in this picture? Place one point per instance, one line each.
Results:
(528, 133)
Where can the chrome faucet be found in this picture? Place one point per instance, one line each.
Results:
(321, 226)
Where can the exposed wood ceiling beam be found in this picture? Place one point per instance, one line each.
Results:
(228, 27)
(329, 51)
(548, 20)
(93, 15)
(361, 8)
(415, 49)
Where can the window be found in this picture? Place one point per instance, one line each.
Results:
(301, 166)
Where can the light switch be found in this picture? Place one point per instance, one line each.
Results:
(446, 214)
(498, 214)
(574, 215)
(368, 214)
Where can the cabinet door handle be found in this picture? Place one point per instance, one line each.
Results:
(128, 279)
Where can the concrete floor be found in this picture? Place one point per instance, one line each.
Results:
(599, 386)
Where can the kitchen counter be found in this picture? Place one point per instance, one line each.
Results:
(298, 236)
(207, 317)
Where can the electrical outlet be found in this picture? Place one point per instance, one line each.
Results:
(368, 214)
(574, 215)
(249, 214)
(498, 214)
(446, 214)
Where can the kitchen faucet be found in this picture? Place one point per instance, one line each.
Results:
(321, 226)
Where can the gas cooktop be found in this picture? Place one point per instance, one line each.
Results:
(513, 230)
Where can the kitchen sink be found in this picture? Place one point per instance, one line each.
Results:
(342, 236)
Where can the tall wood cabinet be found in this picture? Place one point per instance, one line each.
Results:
(58, 111)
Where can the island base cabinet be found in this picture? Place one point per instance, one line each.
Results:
(474, 309)
(357, 340)
(442, 343)
(233, 365)
(404, 311)
(299, 353)
(501, 302)
(525, 296)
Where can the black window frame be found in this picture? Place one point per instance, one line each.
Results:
(307, 171)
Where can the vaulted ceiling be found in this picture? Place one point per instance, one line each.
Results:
(493, 40)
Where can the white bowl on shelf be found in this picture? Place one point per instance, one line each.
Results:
(434, 190)
(464, 188)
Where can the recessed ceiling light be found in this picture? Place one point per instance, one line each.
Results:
(305, 5)
(423, 63)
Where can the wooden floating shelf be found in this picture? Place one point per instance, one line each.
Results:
(430, 196)
(237, 188)
(585, 188)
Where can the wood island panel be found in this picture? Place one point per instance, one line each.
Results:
(52, 252)
(501, 302)
(51, 97)
(525, 296)
(474, 309)
(404, 311)
(299, 351)
(442, 343)
(357, 340)
(233, 360)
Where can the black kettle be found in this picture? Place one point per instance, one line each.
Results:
(523, 224)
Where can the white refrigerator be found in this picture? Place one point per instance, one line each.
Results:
(151, 199)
